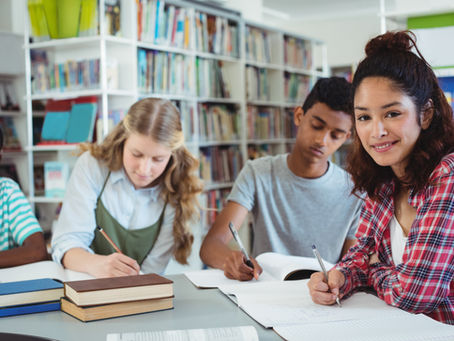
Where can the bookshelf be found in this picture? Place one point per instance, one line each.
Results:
(277, 80)
(193, 54)
(12, 109)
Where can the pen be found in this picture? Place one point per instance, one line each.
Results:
(317, 255)
(108, 239)
(240, 244)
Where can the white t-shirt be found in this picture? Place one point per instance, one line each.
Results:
(398, 240)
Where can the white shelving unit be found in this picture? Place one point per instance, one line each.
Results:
(134, 50)
(12, 72)
(288, 63)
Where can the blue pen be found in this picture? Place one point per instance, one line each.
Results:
(240, 244)
(325, 273)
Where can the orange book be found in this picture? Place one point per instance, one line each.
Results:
(186, 32)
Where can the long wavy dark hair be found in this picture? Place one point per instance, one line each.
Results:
(390, 56)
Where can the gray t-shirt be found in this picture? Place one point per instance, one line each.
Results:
(290, 213)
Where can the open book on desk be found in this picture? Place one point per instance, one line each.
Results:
(43, 269)
(287, 307)
(243, 333)
(276, 267)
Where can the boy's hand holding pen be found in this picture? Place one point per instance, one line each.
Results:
(239, 265)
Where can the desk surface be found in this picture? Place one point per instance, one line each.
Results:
(193, 308)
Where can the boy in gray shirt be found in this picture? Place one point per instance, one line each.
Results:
(296, 199)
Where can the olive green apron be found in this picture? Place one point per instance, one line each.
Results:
(136, 244)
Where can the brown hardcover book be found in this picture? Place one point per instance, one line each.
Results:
(118, 289)
(104, 311)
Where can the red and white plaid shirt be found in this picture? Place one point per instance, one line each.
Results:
(423, 282)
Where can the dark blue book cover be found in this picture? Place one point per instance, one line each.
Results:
(30, 308)
(31, 291)
(30, 285)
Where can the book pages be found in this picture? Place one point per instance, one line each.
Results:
(43, 269)
(288, 302)
(243, 333)
(276, 267)
(398, 328)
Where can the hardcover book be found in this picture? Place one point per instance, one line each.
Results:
(103, 311)
(31, 291)
(118, 289)
(29, 308)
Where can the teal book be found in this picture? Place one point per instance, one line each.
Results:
(30, 291)
(29, 308)
(54, 126)
(81, 123)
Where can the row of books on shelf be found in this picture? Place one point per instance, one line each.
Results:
(8, 98)
(214, 201)
(220, 164)
(296, 87)
(269, 123)
(49, 178)
(67, 19)
(215, 34)
(11, 142)
(69, 121)
(163, 24)
(69, 75)
(170, 73)
(88, 299)
(213, 79)
(258, 45)
(163, 72)
(166, 24)
(297, 53)
(257, 84)
(218, 123)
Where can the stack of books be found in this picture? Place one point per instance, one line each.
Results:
(31, 296)
(103, 298)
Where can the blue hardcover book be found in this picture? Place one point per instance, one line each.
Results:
(81, 123)
(31, 291)
(30, 308)
(55, 126)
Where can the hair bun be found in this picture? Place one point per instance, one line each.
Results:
(402, 41)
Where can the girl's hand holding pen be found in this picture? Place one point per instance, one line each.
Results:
(236, 268)
(115, 264)
(326, 293)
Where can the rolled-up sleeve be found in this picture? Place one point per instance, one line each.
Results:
(76, 223)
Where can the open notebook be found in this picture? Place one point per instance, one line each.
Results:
(43, 269)
(276, 267)
(286, 306)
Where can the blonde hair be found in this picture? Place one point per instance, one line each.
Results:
(160, 120)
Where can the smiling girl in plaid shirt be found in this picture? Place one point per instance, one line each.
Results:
(403, 159)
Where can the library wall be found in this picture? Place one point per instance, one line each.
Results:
(344, 40)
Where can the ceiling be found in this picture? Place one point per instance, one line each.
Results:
(320, 9)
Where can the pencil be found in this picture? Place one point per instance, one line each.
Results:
(108, 239)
